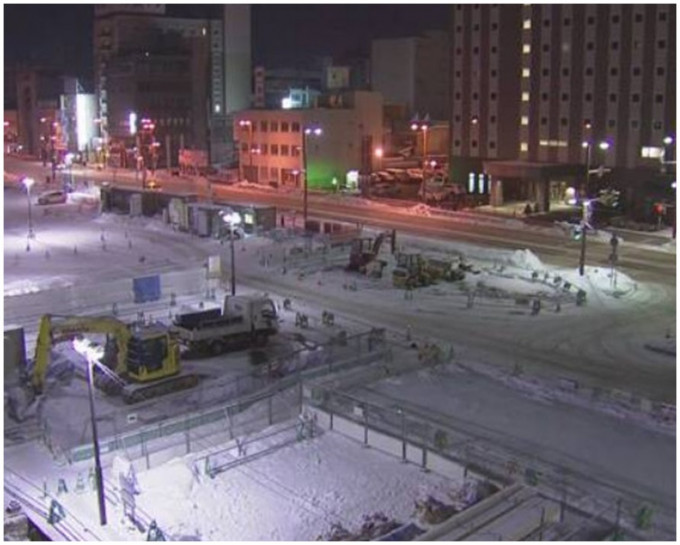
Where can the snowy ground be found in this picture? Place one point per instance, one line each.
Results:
(608, 334)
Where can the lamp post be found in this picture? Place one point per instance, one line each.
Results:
(379, 153)
(249, 124)
(231, 219)
(604, 146)
(28, 183)
(422, 125)
(95, 443)
(316, 131)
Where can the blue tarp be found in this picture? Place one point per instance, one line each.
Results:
(147, 288)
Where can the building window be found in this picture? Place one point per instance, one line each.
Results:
(564, 122)
(546, 48)
(475, 50)
(244, 147)
(527, 24)
(567, 22)
(274, 173)
(494, 26)
(565, 72)
(525, 96)
(657, 125)
(544, 121)
(475, 27)
(492, 119)
(457, 119)
(589, 71)
(565, 97)
(295, 151)
(475, 96)
(526, 49)
(661, 44)
(494, 49)
(545, 72)
(264, 149)
(635, 124)
(611, 123)
(638, 17)
(525, 120)
(590, 46)
(546, 22)
(588, 97)
(456, 143)
(492, 145)
(658, 99)
(285, 150)
(264, 172)
(494, 73)
(284, 126)
(662, 16)
(296, 126)
(459, 51)
(636, 71)
(635, 98)
(526, 72)
(275, 149)
(458, 73)
(616, 19)
(457, 96)
(614, 72)
(263, 126)
(473, 143)
(544, 97)
(615, 46)
(493, 96)
(459, 28)
(590, 20)
(274, 126)
(524, 146)
(612, 97)
(660, 71)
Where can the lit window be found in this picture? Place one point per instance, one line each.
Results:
(525, 97)
(526, 48)
(525, 120)
(524, 146)
(217, 108)
(652, 152)
(526, 72)
(527, 24)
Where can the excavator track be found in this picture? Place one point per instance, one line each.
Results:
(134, 393)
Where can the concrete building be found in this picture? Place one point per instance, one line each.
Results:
(532, 83)
(414, 72)
(271, 141)
(77, 112)
(186, 75)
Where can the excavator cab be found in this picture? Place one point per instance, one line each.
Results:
(152, 355)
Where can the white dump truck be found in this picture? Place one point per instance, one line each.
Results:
(242, 321)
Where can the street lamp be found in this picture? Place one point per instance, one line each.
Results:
(28, 183)
(309, 131)
(422, 125)
(247, 123)
(93, 354)
(379, 152)
(231, 219)
(604, 146)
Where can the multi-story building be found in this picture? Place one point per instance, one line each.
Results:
(150, 66)
(271, 141)
(536, 89)
(414, 72)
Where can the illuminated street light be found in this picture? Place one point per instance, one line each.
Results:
(668, 140)
(28, 183)
(422, 125)
(604, 146)
(231, 219)
(309, 131)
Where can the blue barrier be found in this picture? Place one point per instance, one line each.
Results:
(147, 288)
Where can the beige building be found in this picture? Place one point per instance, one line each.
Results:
(271, 141)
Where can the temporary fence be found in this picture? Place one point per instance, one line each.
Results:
(241, 404)
(409, 428)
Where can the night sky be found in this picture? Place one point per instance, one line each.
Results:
(283, 35)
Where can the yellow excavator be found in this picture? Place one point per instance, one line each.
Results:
(145, 362)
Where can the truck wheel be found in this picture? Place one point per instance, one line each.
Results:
(216, 348)
(261, 339)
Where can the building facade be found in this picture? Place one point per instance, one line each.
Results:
(186, 75)
(546, 83)
(414, 72)
(271, 141)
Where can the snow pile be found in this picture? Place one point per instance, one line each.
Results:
(420, 210)
(525, 259)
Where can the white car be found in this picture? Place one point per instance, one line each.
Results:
(52, 197)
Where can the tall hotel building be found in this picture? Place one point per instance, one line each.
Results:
(531, 83)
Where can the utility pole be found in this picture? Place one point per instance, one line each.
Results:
(95, 444)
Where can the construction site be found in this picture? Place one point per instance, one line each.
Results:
(283, 386)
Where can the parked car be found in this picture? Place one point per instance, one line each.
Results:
(52, 197)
